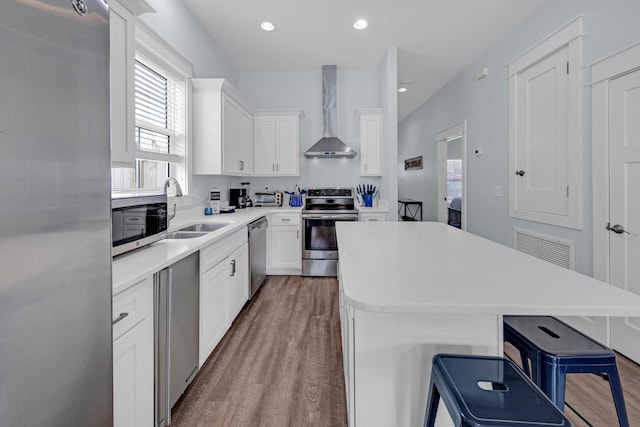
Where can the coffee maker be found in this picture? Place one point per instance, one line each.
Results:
(238, 197)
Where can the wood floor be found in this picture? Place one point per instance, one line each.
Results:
(281, 365)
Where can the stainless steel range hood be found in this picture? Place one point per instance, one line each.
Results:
(329, 146)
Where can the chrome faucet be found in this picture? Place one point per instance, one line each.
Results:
(178, 193)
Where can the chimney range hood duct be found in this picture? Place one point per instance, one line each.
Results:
(329, 146)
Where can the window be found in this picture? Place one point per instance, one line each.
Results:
(160, 117)
(454, 179)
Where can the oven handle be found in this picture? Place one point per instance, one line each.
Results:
(348, 217)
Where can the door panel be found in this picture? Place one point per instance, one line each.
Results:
(542, 132)
(624, 208)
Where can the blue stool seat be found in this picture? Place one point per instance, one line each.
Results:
(484, 391)
(555, 349)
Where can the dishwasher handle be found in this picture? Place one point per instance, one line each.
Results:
(257, 224)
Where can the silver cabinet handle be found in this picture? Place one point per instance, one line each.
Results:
(233, 267)
(241, 164)
(273, 167)
(618, 229)
(285, 219)
(120, 318)
(277, 167)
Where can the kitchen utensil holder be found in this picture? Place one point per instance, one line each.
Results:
(295, 201)
(368, 200)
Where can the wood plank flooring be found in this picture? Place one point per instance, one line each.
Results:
(281, 365)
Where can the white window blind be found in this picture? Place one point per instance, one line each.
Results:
(159, 113)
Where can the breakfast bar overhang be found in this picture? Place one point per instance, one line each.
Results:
(409, 290)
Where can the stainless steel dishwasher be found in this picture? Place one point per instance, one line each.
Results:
(176, 312)
(257, 254)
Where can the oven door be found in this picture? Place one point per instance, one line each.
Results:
(319, 235)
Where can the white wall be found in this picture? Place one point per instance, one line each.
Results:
(609, 26)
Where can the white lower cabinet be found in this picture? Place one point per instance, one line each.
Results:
(284, 243)
(224, 288)
(213, 309)
(133, 361)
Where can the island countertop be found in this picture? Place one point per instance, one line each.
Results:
(429, 267)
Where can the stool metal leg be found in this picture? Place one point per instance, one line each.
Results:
(618, 398)
(552, 382)
(432, 405)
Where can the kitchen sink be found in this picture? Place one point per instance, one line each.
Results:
(196, 230)
(186, 234)
(205, 227)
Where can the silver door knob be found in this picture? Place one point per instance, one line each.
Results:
(618, 229)
(520, 172)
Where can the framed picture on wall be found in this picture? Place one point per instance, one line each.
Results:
(413, 163)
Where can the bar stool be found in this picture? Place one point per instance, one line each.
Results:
(555, 349)
(484, 391)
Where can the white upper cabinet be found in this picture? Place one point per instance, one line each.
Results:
(222, 129)
(122, 42)
(277, 142)
(545, 130)
(370, 141)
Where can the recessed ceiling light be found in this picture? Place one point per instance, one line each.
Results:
(360, 24)
(267, 26)
(402, 89)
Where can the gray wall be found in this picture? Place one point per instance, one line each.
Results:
(303, 90)
(609, 26)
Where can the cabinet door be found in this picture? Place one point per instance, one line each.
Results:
(245, 142)
(213, 308)
(265, 146)
(122, 59)
(371, 144)
(287, 145)
(133, 391)
(238, 285)
(286, 249)
(230, 137)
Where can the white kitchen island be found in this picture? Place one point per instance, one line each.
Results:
(409, 290)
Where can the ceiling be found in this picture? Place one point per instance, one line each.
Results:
(436, 39)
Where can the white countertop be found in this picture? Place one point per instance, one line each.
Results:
(128, 269)
(429, 267)
(380, 206)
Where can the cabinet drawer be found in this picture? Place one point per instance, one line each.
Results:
(283, 218)
(132, 307)
(373, 216)
(216, 252)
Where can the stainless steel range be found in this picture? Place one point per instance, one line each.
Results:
(323, 207)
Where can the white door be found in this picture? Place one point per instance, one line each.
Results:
(541, 135)
(624, 203)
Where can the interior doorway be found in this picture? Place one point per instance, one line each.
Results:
(452, 147)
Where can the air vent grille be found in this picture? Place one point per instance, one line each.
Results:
(558, 251)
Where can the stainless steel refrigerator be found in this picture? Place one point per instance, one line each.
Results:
(55, 239)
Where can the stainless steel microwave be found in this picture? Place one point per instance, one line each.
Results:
(137, 221)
